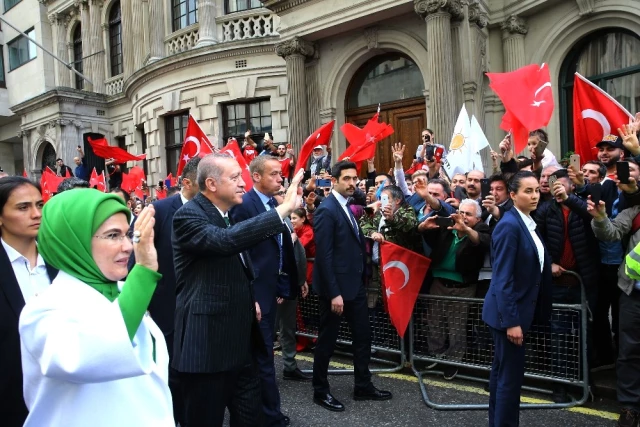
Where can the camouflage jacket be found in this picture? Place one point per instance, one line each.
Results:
(401, 230)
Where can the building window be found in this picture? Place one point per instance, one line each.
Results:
(610, 59)
(175, 127)
(254, 115)
(184, 13)
(3, 82)
(77, 55)
(8, 4)
(21, 50)
(115, 39)
(239, 5)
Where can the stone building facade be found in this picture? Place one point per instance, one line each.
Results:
(288, 66)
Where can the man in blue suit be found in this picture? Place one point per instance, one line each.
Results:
(338, 279)
(276, 274)
(519, 294)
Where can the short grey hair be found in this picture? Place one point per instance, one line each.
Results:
(209, 167)
(475, 205)
(257, 165)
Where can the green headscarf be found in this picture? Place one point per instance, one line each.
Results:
(69, 222)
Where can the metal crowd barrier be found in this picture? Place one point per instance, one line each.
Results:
(555, 353)
(384, 338)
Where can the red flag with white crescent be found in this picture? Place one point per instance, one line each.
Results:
(233, 149)
(402, 274)
(98, 181)
(196, 143)
(363, 141)
(596, 114)
(49, 183)
(320, 136)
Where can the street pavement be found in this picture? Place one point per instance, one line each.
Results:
(408, 409)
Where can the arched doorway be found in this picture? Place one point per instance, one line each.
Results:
(611, 59)
(48, 157)
(395, 82)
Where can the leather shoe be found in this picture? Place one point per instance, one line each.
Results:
(371, 393)
(296, 375)
(327, 401)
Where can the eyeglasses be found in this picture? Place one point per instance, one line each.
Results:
(116, 237)
(468, 214)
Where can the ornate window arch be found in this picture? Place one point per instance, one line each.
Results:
(611, 59)
(115, 39)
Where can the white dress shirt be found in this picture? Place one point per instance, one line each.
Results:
(31, 281)
(184, 199)
(531, 225)
(343, 202)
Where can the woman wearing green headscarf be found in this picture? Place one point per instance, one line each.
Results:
(90, 354)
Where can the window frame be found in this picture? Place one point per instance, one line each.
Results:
(565, 82)
(228, 11)
(19, 38)
(6, 9)
(169, 136)
(78, 49)
(3, 82)
(247, 116)
(115, 23)
(176, 19)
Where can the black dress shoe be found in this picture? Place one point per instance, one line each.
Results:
(327, 401)
(371, 394)
(296, 375)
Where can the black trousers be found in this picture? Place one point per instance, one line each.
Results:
(628, 366)
(207, 395)
(608, 296)
(357, 314)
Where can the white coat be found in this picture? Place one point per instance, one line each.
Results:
(80, 368)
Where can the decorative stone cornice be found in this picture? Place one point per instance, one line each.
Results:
(80, 4)
(46, 2)
(24, 132)
(281, 5)
(98, 3)
(425, 8)
(514, 25)
(371, 37)
(58, 96)
(477, 15)
(295, 46)
(585, 7)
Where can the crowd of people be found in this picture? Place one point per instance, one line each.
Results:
(122, 311)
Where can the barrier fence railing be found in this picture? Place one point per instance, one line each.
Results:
(449, 331)
(384, 338)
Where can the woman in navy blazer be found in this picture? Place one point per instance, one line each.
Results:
(520, 292)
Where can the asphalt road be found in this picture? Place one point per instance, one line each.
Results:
(408, 409)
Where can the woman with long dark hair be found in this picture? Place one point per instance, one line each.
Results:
(519, 294)
(24, 275)
(304, 231)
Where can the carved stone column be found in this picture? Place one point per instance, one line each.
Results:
(208, 33)
(513, 31)
(127, 38)
(156, 31)
(87, 49)
(138, 34)
(97, 47)
(437, 15)
(295, 52)
(59, 23)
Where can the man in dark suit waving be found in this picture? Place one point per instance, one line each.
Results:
(338, 279)
(217, 334)
(276, 274)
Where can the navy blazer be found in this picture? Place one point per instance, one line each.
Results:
(519, 293)
(340, 252)
(13, 410)
(265, 257)
(216, 328)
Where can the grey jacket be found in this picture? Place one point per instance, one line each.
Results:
(619, 229)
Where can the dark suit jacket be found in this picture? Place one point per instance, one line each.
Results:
(519, 293)
(340, 255)
(215, 322)
(265, 257)
(13, 411)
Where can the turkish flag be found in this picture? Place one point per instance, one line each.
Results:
(196, 143)
(66, 173)
(24, 173)
(595, 115)
(320, 136)
(402, 274)
(528, 100)
(363, 141)
(102, 149)
(98, 181)
(49, 183)
(161, 194)
(233, 150)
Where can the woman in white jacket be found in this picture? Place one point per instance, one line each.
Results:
(91, 355)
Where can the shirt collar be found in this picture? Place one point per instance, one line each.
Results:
(264, 199)
(528, 221)
(222, 214)
(339, 197)
(184, 199)
(14, 255)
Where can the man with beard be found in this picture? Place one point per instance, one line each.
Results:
(473, 185)
(287, 161)
(610, 151)
(319, 160)
(545, 190)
